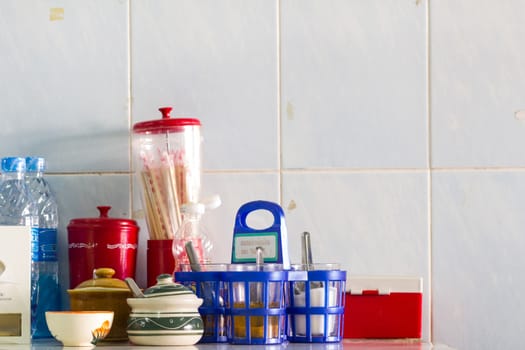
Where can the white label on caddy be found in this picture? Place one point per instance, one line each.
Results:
(246, 244)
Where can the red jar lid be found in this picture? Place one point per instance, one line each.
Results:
(166, 124)
(103, 222)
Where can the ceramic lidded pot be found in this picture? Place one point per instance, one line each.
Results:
(168, 314)
(104, 293)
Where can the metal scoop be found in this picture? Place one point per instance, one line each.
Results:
(306, 256)
(307, 259)
(208, 291)
(192, 257)
(259, 258)
(135, 289)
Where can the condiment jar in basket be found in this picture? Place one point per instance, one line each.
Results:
(166, 315)
(104, 293)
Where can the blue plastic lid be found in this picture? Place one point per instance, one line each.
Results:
(35, 164)
(13, 164)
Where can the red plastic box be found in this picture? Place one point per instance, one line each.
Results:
(383, 307)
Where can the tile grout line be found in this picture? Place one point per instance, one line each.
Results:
(279, 102)
(130, 138)
(430, 170)
(352, 171)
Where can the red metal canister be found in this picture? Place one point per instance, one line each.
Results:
(101, 242)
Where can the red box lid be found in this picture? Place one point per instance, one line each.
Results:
(383, 285)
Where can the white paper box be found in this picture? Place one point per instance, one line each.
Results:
(15, 284)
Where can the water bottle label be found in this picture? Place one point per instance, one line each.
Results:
(44, 244)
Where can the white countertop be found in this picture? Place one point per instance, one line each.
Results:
(344, 345)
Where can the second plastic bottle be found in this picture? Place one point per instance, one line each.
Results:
(45, 291)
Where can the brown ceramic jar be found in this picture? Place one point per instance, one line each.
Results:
(104, 293)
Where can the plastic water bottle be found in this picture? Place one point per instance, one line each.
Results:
(45, 290)
(191, 230)
(16, 206)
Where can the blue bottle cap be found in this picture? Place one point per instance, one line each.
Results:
(13, 164)
(35, 164)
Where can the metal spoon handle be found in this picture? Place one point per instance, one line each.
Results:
(259, 258)
(135, 289)
(306, 256)
(192, 257)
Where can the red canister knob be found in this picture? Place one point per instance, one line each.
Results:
(165, 112)
(104, 210)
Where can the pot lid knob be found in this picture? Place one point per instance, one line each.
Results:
(103, 278)
(166, 287)
(103, 272)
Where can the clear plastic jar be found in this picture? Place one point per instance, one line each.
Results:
(167, 162)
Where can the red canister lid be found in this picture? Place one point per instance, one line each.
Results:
(103, 222)
(166, 124)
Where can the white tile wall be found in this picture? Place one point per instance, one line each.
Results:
(478, 245)
(322, 106)
(64, 83)
(477, 78)
(353, 77)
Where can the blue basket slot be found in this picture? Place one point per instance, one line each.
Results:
(209, 286)
(255, 306)
(316, 307)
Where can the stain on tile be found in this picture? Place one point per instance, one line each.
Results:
(56, 14)
(289, 110)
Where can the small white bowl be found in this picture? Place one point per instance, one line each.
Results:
(79, 328)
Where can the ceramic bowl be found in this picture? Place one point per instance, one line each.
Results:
(79, 328)
(104, 292)
(167, 315)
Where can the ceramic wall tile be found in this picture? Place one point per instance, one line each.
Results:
(370, 223)
(477, 258)
(353, 84)
(64, 83)
(78, 197)
(214, 60)
(477, 76)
